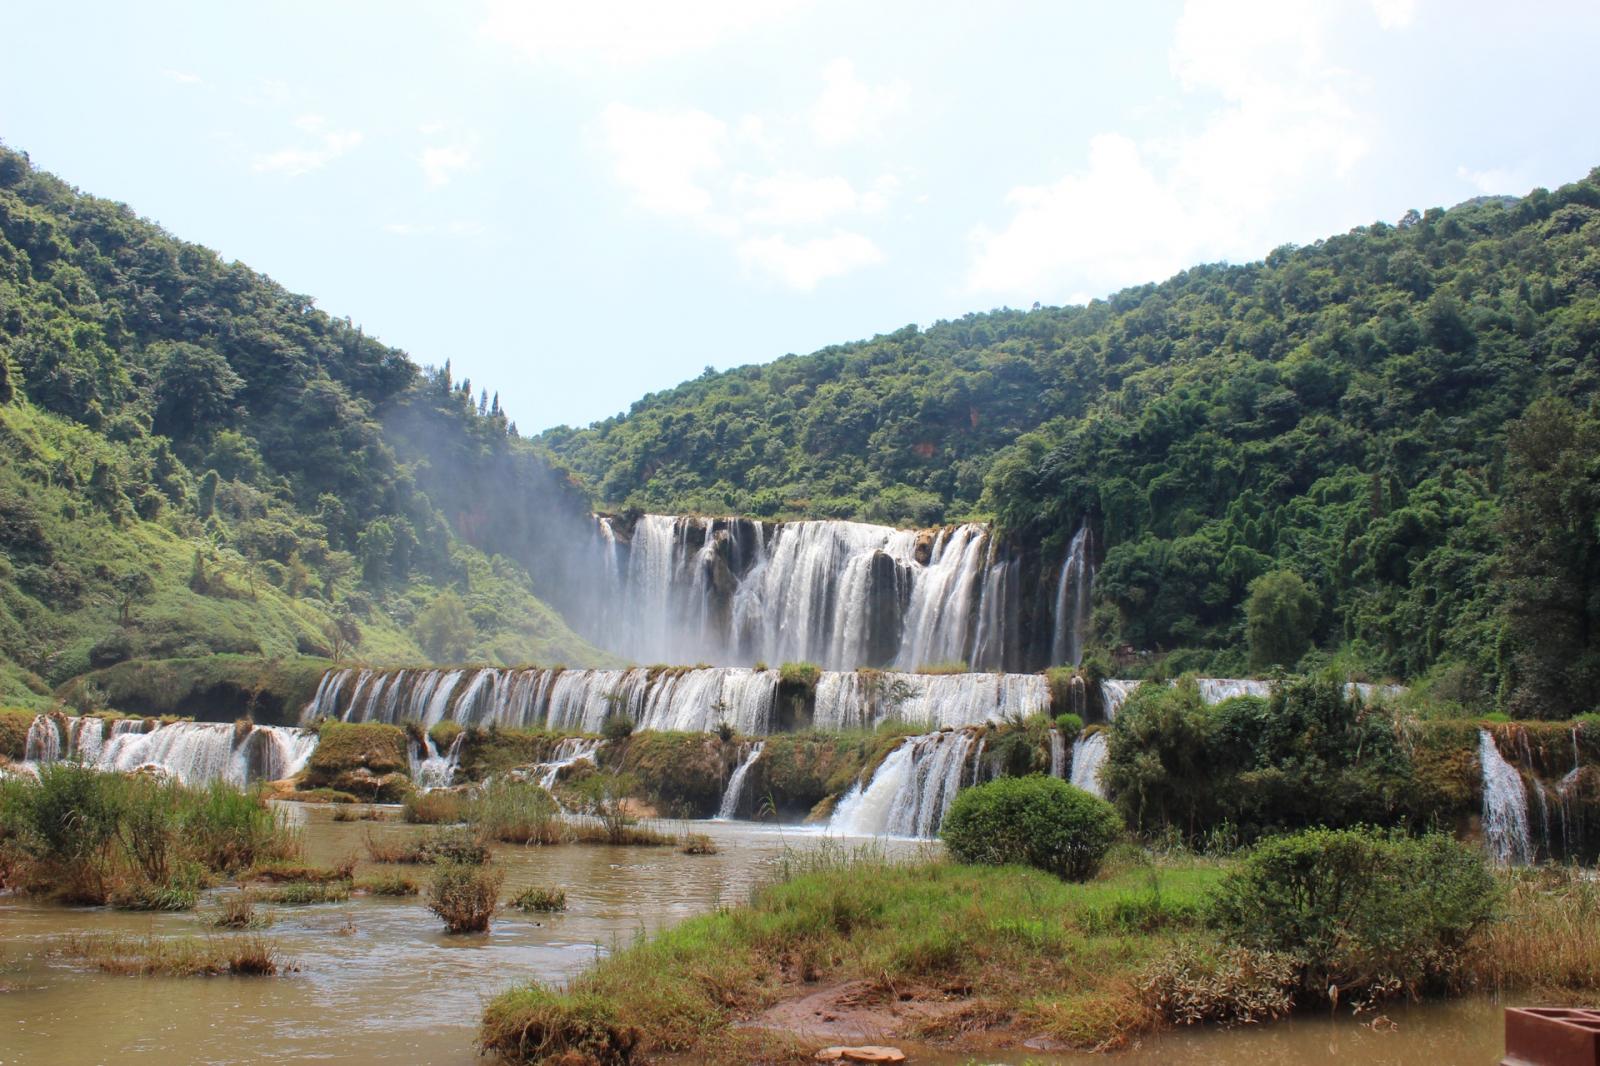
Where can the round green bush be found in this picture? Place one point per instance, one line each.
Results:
(1069, 724)
(1032, 821)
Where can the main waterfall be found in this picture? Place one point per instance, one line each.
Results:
(839, 594)
(686, 700)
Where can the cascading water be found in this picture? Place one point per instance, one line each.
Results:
(196, 753)
(731, 795)
(1505, 805)
(911, 791)
(429, 769)
(698, 700)
(1058, 754)
(1072, 600)
(839, 594)
(1088, 756)
(1113, 694)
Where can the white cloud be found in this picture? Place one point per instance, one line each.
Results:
(1283, 119)
(663, 156)
(624, 32)
(429, 229)
(791, 199)
(801, 265)
(182, 77)
(850, 109)
(442, 162)
(323, 146)
(1395, 14)
(1497, 181)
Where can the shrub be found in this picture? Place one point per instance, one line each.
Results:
(698, 844)
(616, 727)
(1069, 724)
(540, 899)
(237, 910)
(1236, 986)
(464, 895)
(1364, 911)
(605, 797)
(457, 845)
(1033, 821)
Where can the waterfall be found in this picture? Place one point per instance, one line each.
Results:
(911, 791)
(1217, 689)
(568, 751)
(1113, 694)
(839, 594)
(685, 700)
(731, 795)
(1088, 756)
(1058, 754)
(196, 753)
(1505, 805)
(429, 769)
(1072, 600)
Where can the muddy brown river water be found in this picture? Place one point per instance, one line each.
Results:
(381, 983)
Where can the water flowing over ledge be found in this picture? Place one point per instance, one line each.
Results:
(695, 700)
(196, 753)
(840, 594)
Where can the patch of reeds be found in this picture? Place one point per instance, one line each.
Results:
(243, 956)
(619, 835)
(361, 813)
(698, 844)
(237, 910)
(388, 883)
(465, 895)
(514, 812)
(280, 872)
(438, 807)
(538, 1024)
(1546, 939)
(539, 899)
(305, 893)
(458, 844)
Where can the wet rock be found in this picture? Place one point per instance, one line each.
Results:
(864, 1053)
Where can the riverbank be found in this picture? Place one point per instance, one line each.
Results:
(852, 948)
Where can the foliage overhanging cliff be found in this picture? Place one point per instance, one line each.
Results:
(1339, 411)
(194, 459)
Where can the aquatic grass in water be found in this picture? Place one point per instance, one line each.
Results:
(540, 899)
(237, 910)
(242, 956)
(389, 884)
(465, 895)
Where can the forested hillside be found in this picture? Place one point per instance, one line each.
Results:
(1335, 416)
(194, 459)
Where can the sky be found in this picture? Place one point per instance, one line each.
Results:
(580, 203)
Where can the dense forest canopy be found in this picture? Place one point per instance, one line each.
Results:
(1338, 412)
(197, 460)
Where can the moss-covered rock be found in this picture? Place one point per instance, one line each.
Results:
(796, 772)
(215, 688)
(493, 750)
(366, 759)
(14, 726)
(683, 774)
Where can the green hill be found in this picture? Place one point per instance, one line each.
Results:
(1337, 411)
(195, 460)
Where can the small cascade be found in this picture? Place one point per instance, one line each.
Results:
(1058, 754)
(1217, 689)
(1072, 600)
(911, 791)
(864, 699)
(735, 790)
(568, 751)
(1113, 694)
(1088, 756)
(195, 753)
(429, 769)
(1505, 806)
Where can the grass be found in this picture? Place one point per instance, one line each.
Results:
(434, 808)
(240, 956)
(388, 884)
(237, 910)
(698, 844)
(1547, 941)
(361, 814)
(280, 872)
(929, 929)
(539, 899)
(305, 893)
(459, 844)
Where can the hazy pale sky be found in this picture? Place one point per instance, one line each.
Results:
(578, 203)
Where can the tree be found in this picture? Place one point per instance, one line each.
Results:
(195, 392)
(1549, 565)
(1280, 616)
(444, 629)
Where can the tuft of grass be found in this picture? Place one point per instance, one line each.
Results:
(540, 899)
(538, 1024)
(137, 894)
(464, 895)
(459, 844)
(360, 814)
(514, 812)
(280, 872)
(242, 956)
(303, 893)
(698, 844)
(623, 836)
(237, 910)
(388, 884)
(434, 808)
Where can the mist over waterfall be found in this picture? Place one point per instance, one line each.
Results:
(196, 753)
(840, 594)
